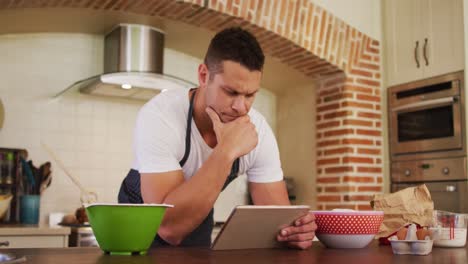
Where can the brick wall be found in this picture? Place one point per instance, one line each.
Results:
(349, 141)
(345, 62)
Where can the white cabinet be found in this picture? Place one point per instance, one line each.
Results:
(423, 38)
(445, 46)
(34, 237)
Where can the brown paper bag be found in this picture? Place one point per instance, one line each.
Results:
(411, 205)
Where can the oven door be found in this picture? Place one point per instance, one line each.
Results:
(447, 195)
(426, 125)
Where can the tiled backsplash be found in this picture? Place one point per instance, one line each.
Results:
(92, 136)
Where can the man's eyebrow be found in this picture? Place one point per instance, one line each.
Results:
(227, 87)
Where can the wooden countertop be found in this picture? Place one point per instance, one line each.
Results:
(317, 254)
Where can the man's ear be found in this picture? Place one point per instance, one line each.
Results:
(203, 74)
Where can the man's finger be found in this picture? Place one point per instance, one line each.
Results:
(300, 237)
(310, 227)
(308, 218)
(213, 116)
(296, 236)
(243, 119)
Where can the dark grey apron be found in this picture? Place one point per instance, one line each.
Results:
(130, 192)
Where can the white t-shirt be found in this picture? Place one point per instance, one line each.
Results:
(159, 141)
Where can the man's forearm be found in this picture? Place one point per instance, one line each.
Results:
(195, 198)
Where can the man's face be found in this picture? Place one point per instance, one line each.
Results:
(231, 92)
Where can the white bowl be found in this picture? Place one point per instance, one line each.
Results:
(345, 241)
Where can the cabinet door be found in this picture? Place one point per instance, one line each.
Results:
(403, 41)
(445, 37)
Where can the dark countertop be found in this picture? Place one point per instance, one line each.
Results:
(317, 254)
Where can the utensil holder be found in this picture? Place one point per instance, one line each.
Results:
(29, 209)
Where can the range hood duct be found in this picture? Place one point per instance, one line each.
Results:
(133, 65)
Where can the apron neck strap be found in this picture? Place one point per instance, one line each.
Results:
(188, 130)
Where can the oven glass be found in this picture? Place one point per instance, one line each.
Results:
(426, 124)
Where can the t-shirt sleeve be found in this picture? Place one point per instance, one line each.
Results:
(266, 164)
(155, 142)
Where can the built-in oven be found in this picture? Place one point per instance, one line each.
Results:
(426, 117)
(445, 178)
(447, 196)
(427, 139)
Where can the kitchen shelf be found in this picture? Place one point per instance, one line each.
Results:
(12, 215)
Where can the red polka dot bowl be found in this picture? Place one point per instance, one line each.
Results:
(347, 228)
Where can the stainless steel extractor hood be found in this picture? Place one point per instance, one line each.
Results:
(133, 65)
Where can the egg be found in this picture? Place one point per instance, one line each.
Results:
(401, 234)
(423, 233)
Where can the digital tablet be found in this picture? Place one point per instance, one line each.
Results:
(252, 226)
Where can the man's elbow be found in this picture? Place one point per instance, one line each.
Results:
(170, 236)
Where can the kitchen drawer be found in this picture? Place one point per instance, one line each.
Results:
(60, 241)
(34, 237)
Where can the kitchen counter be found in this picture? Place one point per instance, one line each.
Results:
(317, 254)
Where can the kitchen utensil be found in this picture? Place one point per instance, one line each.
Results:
(31, 182)
(45, 183)
(347, 228)
(36, 180)
(125, 229)
(45, 177)
(450, 229)
(86, 196)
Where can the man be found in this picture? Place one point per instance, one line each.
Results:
(190, 144)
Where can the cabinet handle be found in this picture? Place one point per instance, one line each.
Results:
(5, 243)
(450, 188)
(424, 52)
(416, 57)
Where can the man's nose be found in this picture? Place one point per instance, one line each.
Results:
(239, 105)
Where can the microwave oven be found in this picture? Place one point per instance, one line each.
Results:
(426, 118)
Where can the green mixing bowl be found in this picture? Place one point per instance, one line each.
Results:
(125, 229)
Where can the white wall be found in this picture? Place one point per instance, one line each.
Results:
(297, 141)
(364, 15)
(92, 136)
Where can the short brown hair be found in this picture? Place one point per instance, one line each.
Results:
(234, 44)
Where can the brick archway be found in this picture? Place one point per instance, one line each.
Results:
(343, 61)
